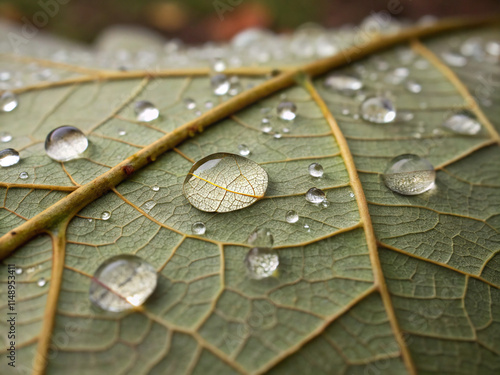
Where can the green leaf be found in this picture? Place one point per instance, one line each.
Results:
(379, 283)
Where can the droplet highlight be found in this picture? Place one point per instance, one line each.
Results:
(220, 84)
(105, 215)
(292, 217)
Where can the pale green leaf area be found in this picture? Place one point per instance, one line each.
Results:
(436, 309)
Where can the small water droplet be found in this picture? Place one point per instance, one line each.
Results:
(220, 84)
(19, 271)
(493, 48)
(285, 130)
(219, 65)
(345, 111)
(454, 58)
(409, 175)
(243, 150)
(413, 87)
(190, 103)
(9, 157)
(378, 110)
(23, 175)
(149, 205)
(261, 262)
(463, 122)
(345, 84)
(291, 217)
(90, 220)
(5, 76)
(8, 101)
(155, 188)
(351, 194)
(41, 282)
(146, 111)
(199, 228)
(122, 282)
(307, 228)
(325, 204)
(122, 132)
(277, 135)
(235, 86)
(261, 237)
(65, 143)
(316, 170)
(287, 110)
(472, 47)
(209, 104)
(315, 195)
(5, 137)
(105, 215)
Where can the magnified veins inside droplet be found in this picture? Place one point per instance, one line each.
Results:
(224, 182)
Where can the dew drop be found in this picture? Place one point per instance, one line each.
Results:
(65, 143)
(149, 205)
(261, 237)
(9, 157)
(285, 130)
(345, 84)
(463, 122)
(261, 262)
(413, 87)
(316, 170)
(5, 137)
(307, 228)
(292, 216)
(266, 128)
(219, 65)
(190, 103)
(122, 132)
(315, 195)
(287, 110)
(199, 228)
(243, 150)
(471, 47)
(220, 84)
(41, 282)
(378, 110)
(19, 271)
(493, 48)
(145, 111)
(325, 204)
(409, 175)
(155, 188)
(105, 215)
(8, 101)
(454, 58)
(225, 182)
(209, 104)
(23, 175)
(122, 283)
(277, 135)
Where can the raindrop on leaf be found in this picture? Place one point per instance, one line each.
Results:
(65, 143)
(409, 174)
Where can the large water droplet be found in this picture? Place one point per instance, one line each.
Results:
(8, 157)
(315, 195)
(345, 84)
(316, 170)
(378, 110)
(105, 215)
(463, 122)
(146, 111)
(409, 175)
(23, 175)
(291, 217)
(199, 228)
(261, 262)
(65, 143)
(122, 282)
(287, 110)
(5, 137)
(220, 84)
(8, 101)
(261, 237)
(224, 182)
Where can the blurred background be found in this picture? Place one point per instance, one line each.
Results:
(198, 21)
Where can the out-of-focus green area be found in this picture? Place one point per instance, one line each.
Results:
(197, 21)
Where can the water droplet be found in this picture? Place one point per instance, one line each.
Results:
(325, 204)
(345, 84)
(493, 48)
(345, 111)
(209, 104)
(190, 103)
(315, 195)
(30, 270)
(292, 216)
(65, 143)
(220, 84)
(454, 58)
(463, 122)
(90, 220)
(261, 262)
(23, 175)
(261, 237)
(378, 110)
(287, 110)
(243, 150)
(19, 271)
(5, 137)
(224, 182)
(155, 188)
(316, 170)
(307, 228)
(266, 128)
(145, 111)
(405, 116)
(413, 87)
(122, 132)
(235, 86)
(285, 130)
(105, 215)
(199, 228)
(122, 282)
(219, 65)
(409, 175)
(8, 101)
(41, 282)
(5, 76)
(149, 205)
(277, 135)
(8, 157)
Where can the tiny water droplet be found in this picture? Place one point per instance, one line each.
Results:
(220, 84)
(155, 188)
(285, 130)
(493, 48)
(90, 220)
(463, 122)
(199, 228)
(105, 215)
(5, 137)
(316, 170)
(277, 135)
(23, 175)
(122, 132)
(65, 143)
(291, 217)
(266, 128)
(413, 87)
(146, 111)
(190, 103)
(8, 101)
(149, 205)
(9, 157)
(351, 194)
(219, 65)
(209, 104)
(345, 84)
(315, 195)
(325, 204)
(41, 282)
(345, 111)
(287, 110)
(122, 282)
(409, 174)
(243, 150)
(378, 110)
(19, 271)
(454, 58)
(261, 262)
(5, 76)
(261, 237)
(307, 228)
